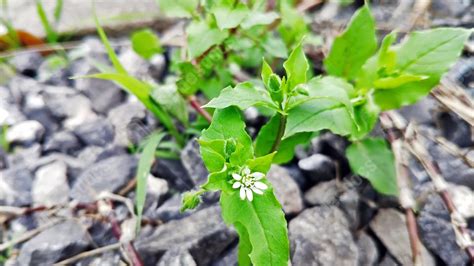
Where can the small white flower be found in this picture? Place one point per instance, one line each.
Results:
(248, 183)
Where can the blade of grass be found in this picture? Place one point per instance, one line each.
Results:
(142, 91)
(110, 51)
(51, 34)
(144, 165)
(58, 11)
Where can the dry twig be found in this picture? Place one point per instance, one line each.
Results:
(406, 198)
(89, 253)
(453, 97)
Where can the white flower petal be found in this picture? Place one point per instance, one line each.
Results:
(256, 190)
(236, 176)
(249, 194)
(246, 171)
(260, 185)
(257, 175)
(236, 185)
(242, 193)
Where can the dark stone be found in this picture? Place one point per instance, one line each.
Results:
(63, 141)
(192, 161)
(104, 94)
(324, 193)
(15, 187)
(169, 210)
(203, 234)
(321, 236)
(455, 129)
(99, 132)
(109, 175)
(173, 171)
(127, 120)
(368, 252)
(437, 233)
(59, 242)
(318, 168)
(229, 258)
(333, 146)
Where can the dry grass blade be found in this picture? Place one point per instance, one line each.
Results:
(453, 97)
(89, 253)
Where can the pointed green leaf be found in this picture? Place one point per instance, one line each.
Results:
(296, 67)
(110, 51)
(170, 99)
(243, 96)
(144, 165)
(372, 159)
(425, 53)
(353, 47)
(265, 226)
(191, 200)
(201, 37)
(228, 17)
(256, 18)
(227, 124)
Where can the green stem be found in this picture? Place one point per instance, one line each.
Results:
(281, 131)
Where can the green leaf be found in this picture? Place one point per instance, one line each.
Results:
(178, 8)
(110, 51)
(286, 151)
(51, 35)
(366, 116)
(201, 37)
(265, 227)
(228, 17)
(395, 82)
(191, 200)
(144, 165)
(327, 107)
(351, 49)
(256, 18)
(266, 72)
(296, 67)
(227, 124)
(218, 181)
(245, 247)
(274, 46)
(372, 159)
(170, 99)
(425, 53)
(146, 43)
(213, 154)
(188, 84)
(243, 96)
(267, 135)
(261, 164)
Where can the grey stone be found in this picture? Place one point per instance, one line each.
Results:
(124, 115)
(324, 193)
(54, 72)
(463, 199)
(192, 161)
(203, 234)
(318, 167)
(50, 186)
(26, 132)
(388, 261)
(455, 129)
(63, 141)
(157, 66)
(421, 112)
(61, 241)
(26, 63)
(177, 257)
(103, 94)
(110, 258)
(286, 190)
(349, 203)
(15, 187)
(157, 189)
(321, 236)
(396, 239)
(228, 259)
(170, 210)
(173, 171)
(99, 132)
(135, 64)
(437, 233)
(368, 252)
(25, 157)
(109, 175)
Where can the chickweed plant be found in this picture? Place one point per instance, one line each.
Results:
(363, 79)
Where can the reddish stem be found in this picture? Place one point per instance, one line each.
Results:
(413, 235)
(195, 104)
